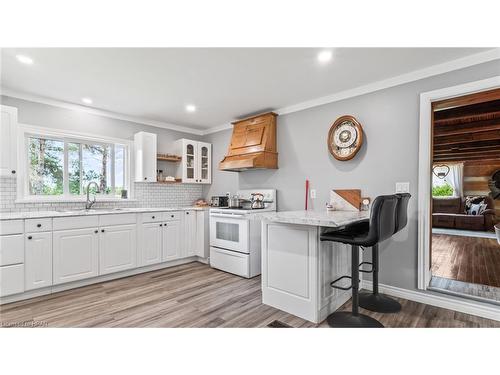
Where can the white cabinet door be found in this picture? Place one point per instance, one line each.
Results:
(75, 254)
(190, 161)
(196, 164)
(202, 233)
(117, 248)
(8, 140)
(38, 260)
(204, 163)
(189, 233)
(172, 241)
(150, 243)
(11, 279)
(145, 157)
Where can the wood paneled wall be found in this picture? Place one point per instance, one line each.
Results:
(476, 176)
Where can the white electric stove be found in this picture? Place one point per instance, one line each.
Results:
(235, 235)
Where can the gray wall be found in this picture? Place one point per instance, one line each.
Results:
(390, 120)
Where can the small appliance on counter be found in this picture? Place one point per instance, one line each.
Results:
(201, 203)
(219, 201)
(235, 232)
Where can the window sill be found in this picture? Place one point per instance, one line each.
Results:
(72, 200)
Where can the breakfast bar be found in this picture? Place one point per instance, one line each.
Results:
(297, 268)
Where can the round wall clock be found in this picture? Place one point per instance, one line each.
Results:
(345, 138)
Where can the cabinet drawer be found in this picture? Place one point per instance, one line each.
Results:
(230, 261)
(174, 215)
(75, 222)
(11, 279)
(151, 217)
(11, 226)
(11, 249)
(117, 219)
(38, 225)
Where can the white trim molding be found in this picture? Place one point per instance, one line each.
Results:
(464, 62)
(484, 310)
(424, 166)
(98, 112)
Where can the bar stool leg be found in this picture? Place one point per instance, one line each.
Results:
(353, 319)
(375, 301)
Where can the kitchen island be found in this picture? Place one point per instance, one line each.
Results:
(297, 267)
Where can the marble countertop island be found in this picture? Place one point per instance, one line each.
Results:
(297, 267)
(316, 218)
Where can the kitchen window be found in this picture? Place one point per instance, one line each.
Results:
(59, 166)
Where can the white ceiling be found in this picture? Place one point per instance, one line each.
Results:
(223, 83)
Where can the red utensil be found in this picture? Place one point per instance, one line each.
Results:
(307, 192)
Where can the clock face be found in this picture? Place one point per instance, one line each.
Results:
(345, 138)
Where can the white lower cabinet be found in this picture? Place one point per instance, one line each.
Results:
(151, 243)
(189, 233)
(172, 246)
(11, 279)
(38, 260)
(117, 248)
(76, 255)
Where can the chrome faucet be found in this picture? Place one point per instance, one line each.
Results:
(89, 203)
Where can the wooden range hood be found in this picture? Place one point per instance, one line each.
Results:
(253, 144)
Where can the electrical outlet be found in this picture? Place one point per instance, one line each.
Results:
(313, 193)
(402, 187)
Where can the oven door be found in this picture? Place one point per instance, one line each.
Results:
(229, 232)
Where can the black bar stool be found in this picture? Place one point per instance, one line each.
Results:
(380, 227)
(374, 301)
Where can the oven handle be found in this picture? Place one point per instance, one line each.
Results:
(235, 216)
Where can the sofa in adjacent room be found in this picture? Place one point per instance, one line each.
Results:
(451, 213)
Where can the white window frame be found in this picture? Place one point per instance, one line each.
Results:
(25, 130)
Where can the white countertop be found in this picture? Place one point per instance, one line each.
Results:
(83, 212)
(316, 218)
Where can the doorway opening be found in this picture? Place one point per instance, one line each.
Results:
(464, 256)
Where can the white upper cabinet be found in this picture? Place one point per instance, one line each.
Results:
(196, 164)
(8, 141)
(145, 157)
(205, 163)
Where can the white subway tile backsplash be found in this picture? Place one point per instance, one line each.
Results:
(146, 195)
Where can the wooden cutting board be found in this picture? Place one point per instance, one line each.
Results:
(346, 199)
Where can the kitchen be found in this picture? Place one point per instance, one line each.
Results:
(91, 197)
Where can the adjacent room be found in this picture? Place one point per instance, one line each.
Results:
(465, 252)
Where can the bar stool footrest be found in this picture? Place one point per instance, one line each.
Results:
(332, 284)
(366, 271)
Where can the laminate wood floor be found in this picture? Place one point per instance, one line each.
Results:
(192, 295)
(468, 259)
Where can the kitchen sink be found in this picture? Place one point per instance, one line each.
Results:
(91, 210)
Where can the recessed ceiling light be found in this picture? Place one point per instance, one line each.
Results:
(191, 108)
(87, 100)
(325, 56)
(24, 59)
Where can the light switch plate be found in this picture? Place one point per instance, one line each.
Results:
(402, 187)
(313, 193)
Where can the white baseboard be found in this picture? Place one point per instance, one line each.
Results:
(483, 310)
